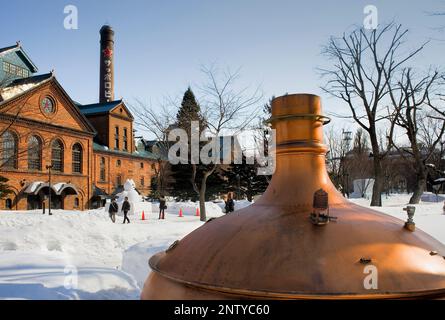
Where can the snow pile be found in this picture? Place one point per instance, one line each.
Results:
(51, 275)
(137, 205)
(38, 253)
(239, 204)
(431, 197)
(189, 208)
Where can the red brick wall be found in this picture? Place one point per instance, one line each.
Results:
(71, 131)
(130, 168)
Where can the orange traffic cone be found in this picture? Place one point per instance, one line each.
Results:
(197, 212)
(180, 213)
(143, 215)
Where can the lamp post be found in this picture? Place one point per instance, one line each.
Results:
(49, 167)
(238, 182)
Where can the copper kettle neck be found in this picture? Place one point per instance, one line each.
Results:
(300, 153)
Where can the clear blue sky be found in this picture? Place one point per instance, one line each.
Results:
(160, 45)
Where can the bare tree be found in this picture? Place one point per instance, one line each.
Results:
(337, 150)
(410, 98)
(157, 122)
(226, 107)
(363, 64)
(430, 128)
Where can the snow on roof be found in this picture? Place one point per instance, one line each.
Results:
(33, 186)
(20, 86)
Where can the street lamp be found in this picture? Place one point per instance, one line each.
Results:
(49, 167)
(238, 182)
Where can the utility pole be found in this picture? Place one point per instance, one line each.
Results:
(49, 167)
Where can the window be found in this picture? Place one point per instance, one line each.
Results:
(9, 150)
(57, 155)
(77, 158)
(102, 169)
(142, 165)
(118, 163)
(76, 202)
(116, 137)
(8, 204)
(118, 180)
(15, 70)
(125, 140)
(6, 67)
(34, 153)
(142, 181)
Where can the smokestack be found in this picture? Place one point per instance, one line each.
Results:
(106, 81)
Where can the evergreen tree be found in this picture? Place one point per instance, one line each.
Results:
(243, 180)
(182, 188)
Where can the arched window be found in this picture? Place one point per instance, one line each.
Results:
(102, 169)
(34, 153)
(77, 158)
(57, 155)
(9, 150)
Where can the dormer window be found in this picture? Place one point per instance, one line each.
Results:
(15, 70)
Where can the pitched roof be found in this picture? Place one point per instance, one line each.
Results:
(18, 47)
(19, 87)
(22, 85)
(10, 48)
(97, 108)
(140, 152)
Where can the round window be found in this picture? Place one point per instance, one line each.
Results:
(48, 106)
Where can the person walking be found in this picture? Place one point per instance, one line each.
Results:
(113, 209)
(162, 207)
(230, 204)
(125, 208)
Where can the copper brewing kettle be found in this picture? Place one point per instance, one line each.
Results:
(301, 239)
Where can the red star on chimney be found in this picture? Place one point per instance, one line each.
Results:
(107, 52)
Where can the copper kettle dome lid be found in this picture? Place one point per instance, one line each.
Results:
(272, 249)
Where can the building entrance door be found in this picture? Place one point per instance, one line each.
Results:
(34, 202)
(56, 201)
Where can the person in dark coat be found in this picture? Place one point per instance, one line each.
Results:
(162, 207)
(230, 204)
(112, 210)
(125, 208)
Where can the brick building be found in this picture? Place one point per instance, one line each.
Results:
(91, 148)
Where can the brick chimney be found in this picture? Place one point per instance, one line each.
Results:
(106, 81)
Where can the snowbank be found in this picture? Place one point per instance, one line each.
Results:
(431, 197)
(35, 249)
(239, 204)
(189, 208)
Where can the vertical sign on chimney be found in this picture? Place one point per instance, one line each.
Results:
(106, 93)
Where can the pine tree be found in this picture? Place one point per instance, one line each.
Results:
(244, 180)
(182, 188)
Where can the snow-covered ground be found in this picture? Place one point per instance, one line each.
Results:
(79, 255)
(429, 215)
(82, 255)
